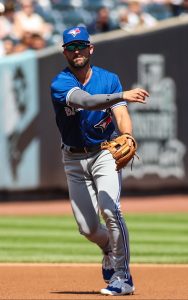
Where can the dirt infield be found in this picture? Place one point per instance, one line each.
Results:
(157, 204)
(76, 281)
(84, 282)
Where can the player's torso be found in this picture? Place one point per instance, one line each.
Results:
(81, 127)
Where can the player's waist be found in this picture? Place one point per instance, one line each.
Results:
(87, 149)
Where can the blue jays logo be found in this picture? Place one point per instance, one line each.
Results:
(74, 31)
(104, 123)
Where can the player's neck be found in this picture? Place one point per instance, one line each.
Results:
(83, 75)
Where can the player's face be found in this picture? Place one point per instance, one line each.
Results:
(78, 54)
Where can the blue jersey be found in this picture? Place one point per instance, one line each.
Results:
(80, 127)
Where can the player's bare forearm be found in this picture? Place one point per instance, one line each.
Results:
(122, 119)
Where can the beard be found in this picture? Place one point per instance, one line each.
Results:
(79, 64)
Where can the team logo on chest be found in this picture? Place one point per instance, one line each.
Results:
(104, 123)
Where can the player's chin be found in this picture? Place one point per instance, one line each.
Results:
(80, 63)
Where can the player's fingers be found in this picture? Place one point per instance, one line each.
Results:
(141, 94)
(144, 92)
(130, 142)
(137, 98)
(140, 100)
(141, 97)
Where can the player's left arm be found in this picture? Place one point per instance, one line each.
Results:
(122, 119)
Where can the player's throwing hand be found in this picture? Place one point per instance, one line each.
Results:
(136, 95)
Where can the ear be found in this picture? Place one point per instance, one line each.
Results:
(64, 52)
(91, 50)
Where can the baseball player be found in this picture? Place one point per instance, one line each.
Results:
(90, 107)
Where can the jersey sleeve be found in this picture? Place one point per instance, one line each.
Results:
(62, 87)
(116, 88)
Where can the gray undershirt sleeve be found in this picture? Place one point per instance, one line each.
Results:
(81, 99)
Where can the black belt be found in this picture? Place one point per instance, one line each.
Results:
(85, 149)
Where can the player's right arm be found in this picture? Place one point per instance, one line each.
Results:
(65, 89)
(81, 99)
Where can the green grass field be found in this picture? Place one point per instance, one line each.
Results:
(154, 238)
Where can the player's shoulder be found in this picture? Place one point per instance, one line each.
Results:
(104, 72)
(62, 77)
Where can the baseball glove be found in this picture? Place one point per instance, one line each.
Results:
(121, 151)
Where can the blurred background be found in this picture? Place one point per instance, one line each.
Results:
(144, 42)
